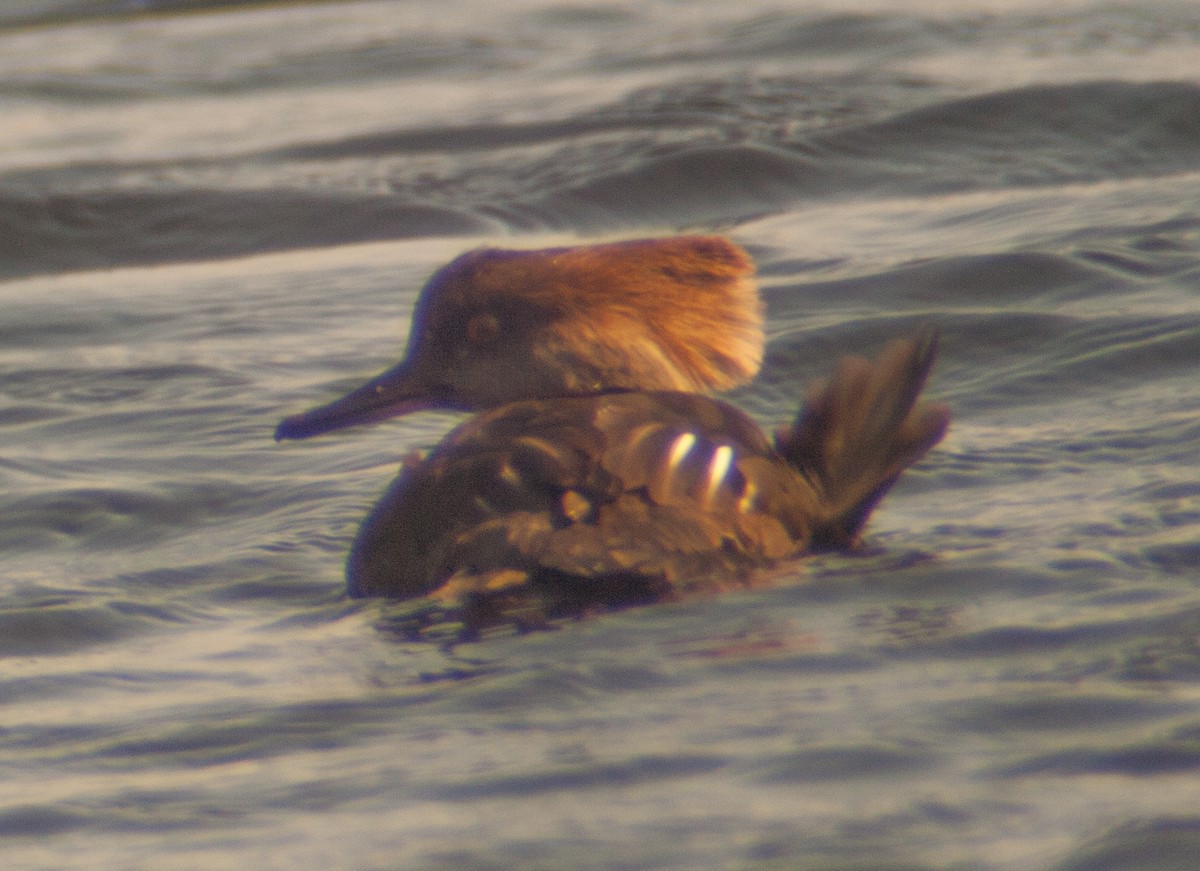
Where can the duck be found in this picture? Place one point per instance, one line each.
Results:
(598, 471)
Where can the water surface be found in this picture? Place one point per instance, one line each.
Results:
(215, 214)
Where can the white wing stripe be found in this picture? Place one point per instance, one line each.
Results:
(680, 448)
(718, 468)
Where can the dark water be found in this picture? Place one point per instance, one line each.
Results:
(214, 214)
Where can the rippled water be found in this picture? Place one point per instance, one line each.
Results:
(212, 215)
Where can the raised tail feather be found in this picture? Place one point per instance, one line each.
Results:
(860, 429)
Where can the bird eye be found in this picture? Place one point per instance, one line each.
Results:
(483, 329)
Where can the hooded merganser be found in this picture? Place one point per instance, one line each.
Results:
(496, 326)
(597, 475)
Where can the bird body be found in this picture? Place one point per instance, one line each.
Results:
(596, 479)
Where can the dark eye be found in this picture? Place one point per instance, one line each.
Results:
(483, 330)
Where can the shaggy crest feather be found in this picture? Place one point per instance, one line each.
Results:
(496, 326)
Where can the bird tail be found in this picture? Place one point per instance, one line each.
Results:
(859, 430)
